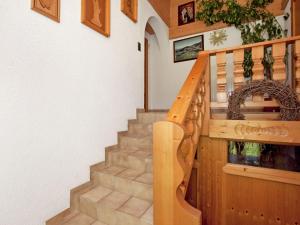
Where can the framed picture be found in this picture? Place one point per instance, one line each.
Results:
(49, 8)
(186, 13)
(130, 9)
(188, 49)
(96, 15)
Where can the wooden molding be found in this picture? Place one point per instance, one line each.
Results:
(48, 8)
(276, 132)
(281, 176)
(96, 15)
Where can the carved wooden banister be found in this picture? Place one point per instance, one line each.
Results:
(278, 48)
(175, 143)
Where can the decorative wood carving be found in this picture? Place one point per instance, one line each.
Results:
(279, 72)
(130, 9)
(297, 65)
(96, 15)
(49, 8)
(276, 132)
(239, 79)
(221, 77)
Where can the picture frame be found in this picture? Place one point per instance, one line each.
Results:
(130, 9)
(186, 13)
(188, 48)
(48, 8)
(96, 15)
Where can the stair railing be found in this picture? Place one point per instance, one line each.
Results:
(175, 144)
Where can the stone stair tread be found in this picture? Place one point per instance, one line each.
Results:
(80, 219)
(112, 170)
(135, 207)
(146, 178)
(98, 223)
(148, 216)
(96, 194)
(114, 200)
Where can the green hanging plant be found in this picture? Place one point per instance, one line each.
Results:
(254, 21)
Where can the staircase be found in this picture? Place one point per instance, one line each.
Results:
(120, 189)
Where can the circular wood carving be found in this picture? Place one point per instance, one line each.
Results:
(286, 97)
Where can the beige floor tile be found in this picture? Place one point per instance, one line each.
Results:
(148, 216)
(98, 223)
(129, 174)
(96, 194)
(146, 178)
(135, 207)
(114, 200)
(80, 219)
(113, 170)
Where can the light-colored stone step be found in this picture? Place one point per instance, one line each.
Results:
(80, 219)
(129, 141)
(140, 160)
(134, 127)
(151, 117)
(132, 182)
(115, 208)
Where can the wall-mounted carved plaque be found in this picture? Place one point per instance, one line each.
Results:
(96, 15)
(130, 9)
(49, 8)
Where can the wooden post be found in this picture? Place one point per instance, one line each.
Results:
(258, 68)
(239, 79)
(297, 66)
(221, 77)
(278, 51)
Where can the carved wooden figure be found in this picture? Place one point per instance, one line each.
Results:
(49, 8)
(130, 9)
(96, 15)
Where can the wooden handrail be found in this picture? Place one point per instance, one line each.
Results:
(288, 40)
(175, 143)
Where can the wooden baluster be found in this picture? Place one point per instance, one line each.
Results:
(221, 77)
(279, 72)
(239, 79)
(258, 68)
(297, 67)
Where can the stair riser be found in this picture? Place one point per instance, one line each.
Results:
(150, 117)
(140, 128)
(135, 143)
(130, 187)
(117, 158)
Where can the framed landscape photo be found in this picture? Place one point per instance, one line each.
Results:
(188, 49)
(186, 13)
(130, 9)
(49, 8)
(96, 15)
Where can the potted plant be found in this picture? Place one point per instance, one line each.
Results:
(233, 156)
(252, 153)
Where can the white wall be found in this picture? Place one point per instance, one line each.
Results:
(65, 91)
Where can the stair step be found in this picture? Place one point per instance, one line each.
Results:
(129, 141)
(80, 219)
(115, 208)
(140, 160)
(151, 117)
(128, 181)
(134, 127)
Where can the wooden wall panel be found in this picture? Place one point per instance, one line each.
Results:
(199, 27)
(226, 199)
(296, 17)
(162, 8)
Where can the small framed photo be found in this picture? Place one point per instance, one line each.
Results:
(186, 13)
(49, 8)
(188, 49)
(130, 9)
(96, 15)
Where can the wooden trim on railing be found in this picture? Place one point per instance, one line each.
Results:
(275, 132)
(179, 110)
(265, 43)
(281, 176)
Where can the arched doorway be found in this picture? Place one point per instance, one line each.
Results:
(151, 48)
